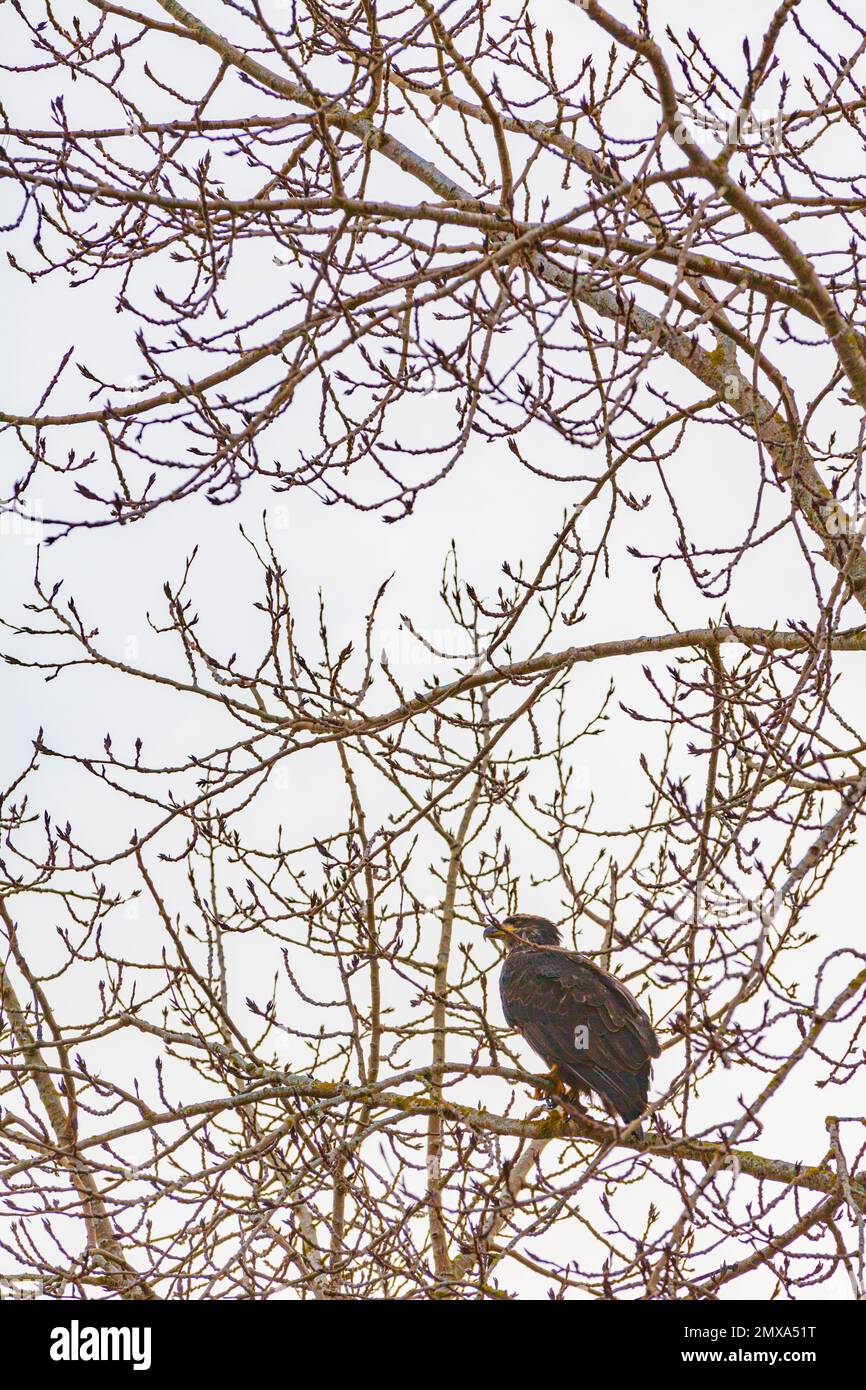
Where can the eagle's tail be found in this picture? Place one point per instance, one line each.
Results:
(622, 1094)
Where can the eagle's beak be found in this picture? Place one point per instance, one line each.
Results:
(494, 931)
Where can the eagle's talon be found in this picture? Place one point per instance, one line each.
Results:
(550, 1088)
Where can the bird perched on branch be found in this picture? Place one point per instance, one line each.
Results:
(588, 1028)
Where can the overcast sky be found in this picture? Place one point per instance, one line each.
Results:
(494, 510)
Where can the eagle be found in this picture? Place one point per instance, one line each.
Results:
(585, 1024)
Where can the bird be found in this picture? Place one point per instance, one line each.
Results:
(583, 1022)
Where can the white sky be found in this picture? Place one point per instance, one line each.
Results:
(492, 508)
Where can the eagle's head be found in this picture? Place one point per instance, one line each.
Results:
(524, 930)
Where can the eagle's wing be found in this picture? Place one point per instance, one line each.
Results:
(584, 1022)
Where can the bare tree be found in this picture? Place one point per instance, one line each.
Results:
(251, 1043)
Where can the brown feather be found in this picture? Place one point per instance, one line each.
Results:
(580, 1020)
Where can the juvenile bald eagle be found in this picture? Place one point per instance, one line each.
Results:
(587, 1026)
